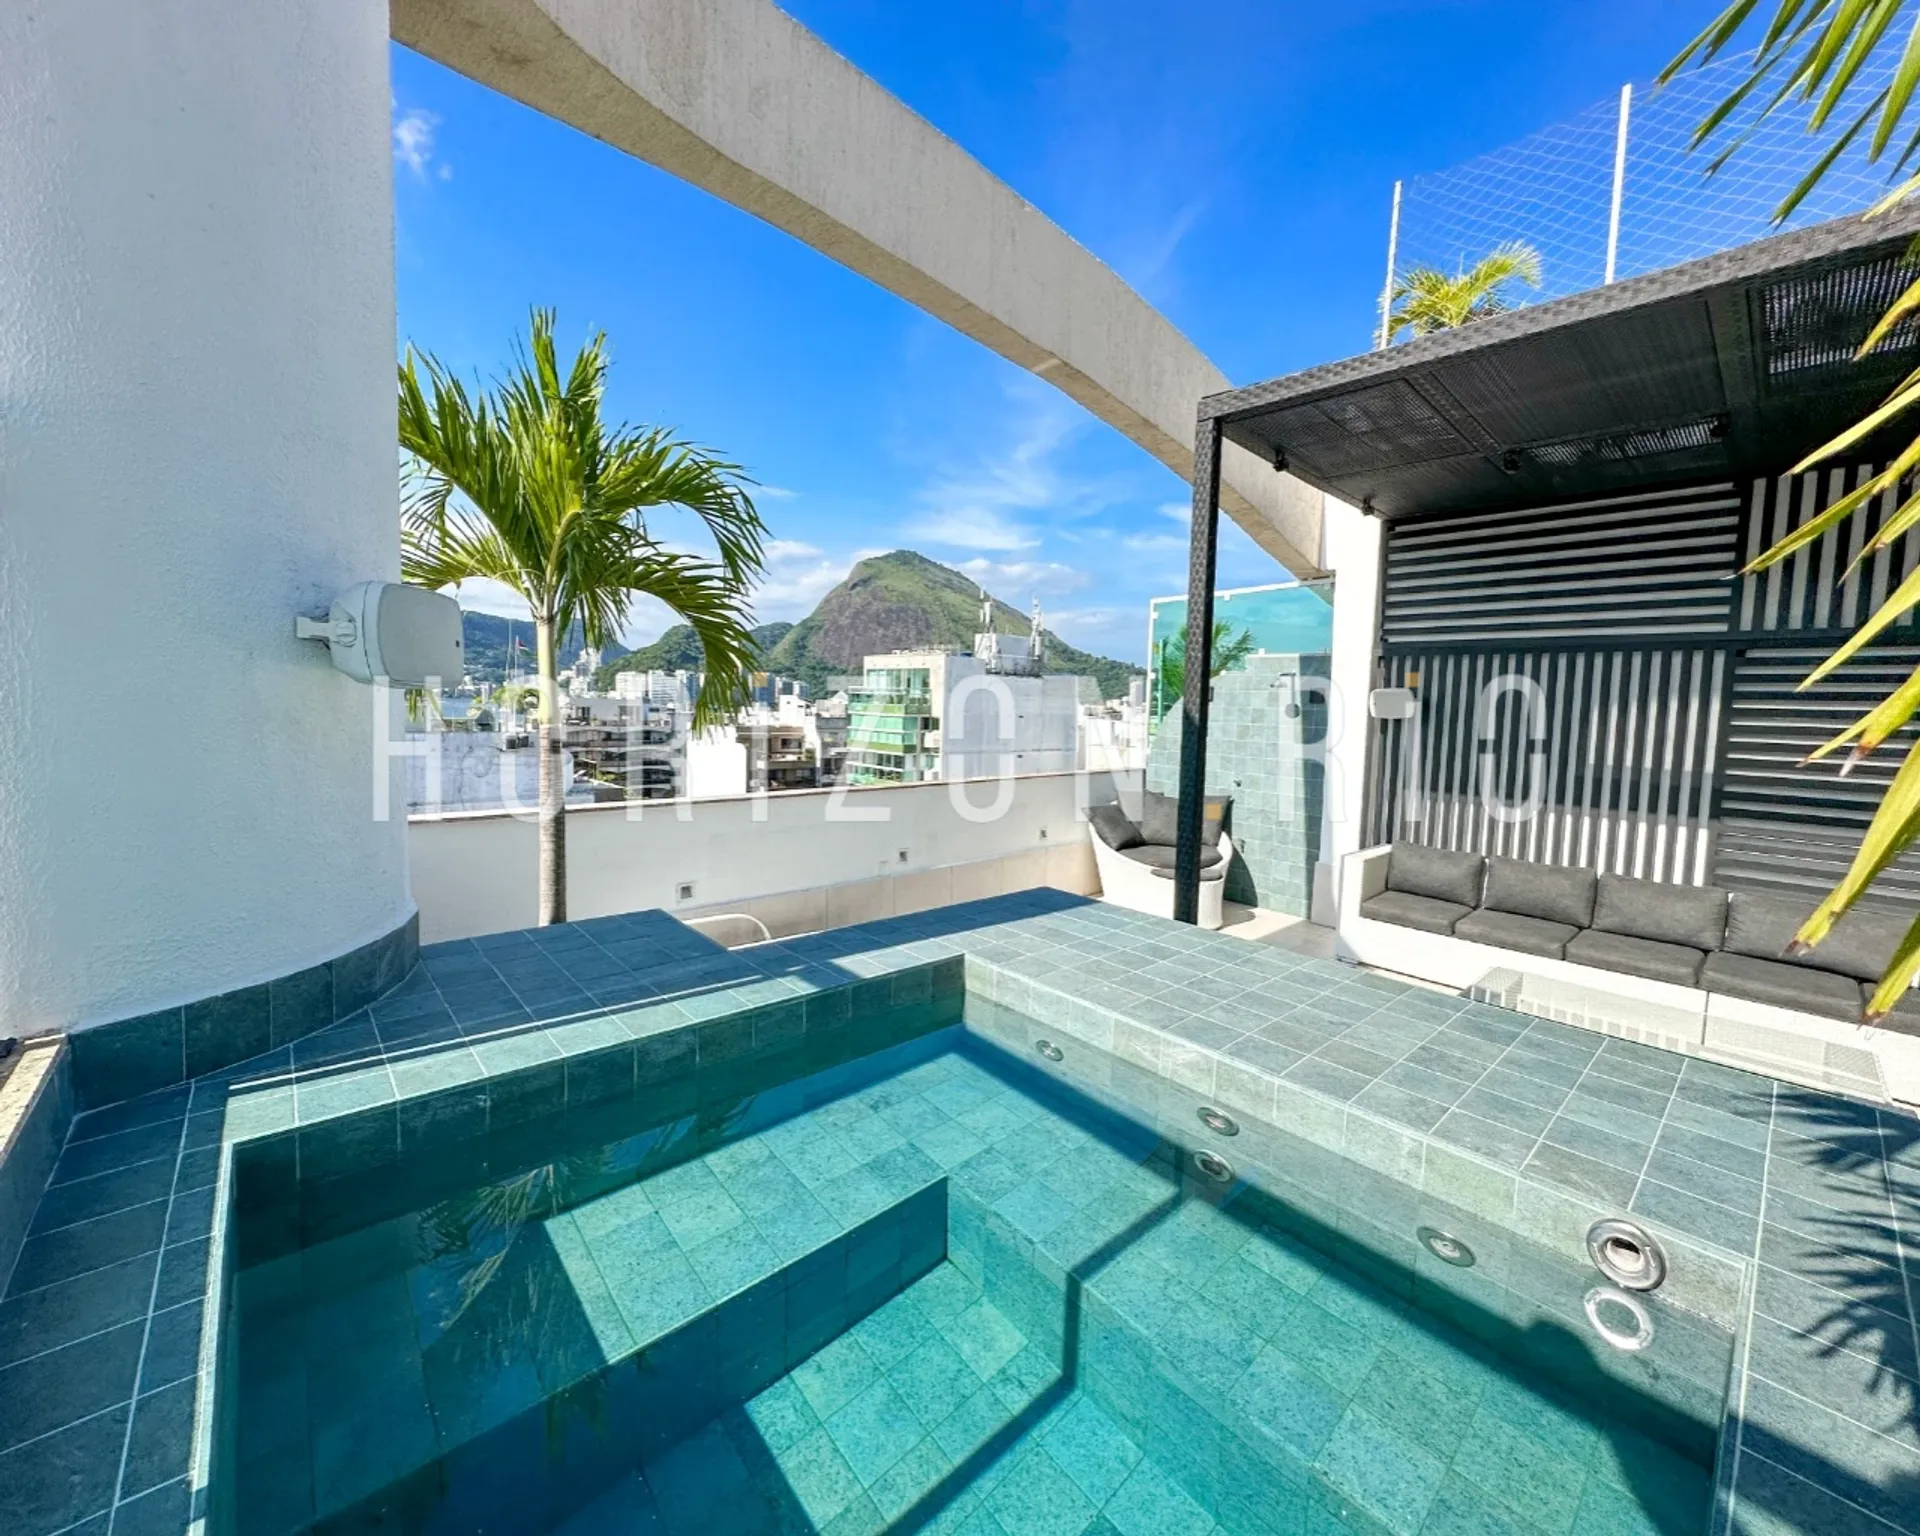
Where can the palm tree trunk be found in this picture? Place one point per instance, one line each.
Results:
(553, 788)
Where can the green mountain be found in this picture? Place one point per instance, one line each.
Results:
(487, 638)
(678, 650)
(904, 601)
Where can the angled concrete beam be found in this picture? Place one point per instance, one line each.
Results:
(739, 99)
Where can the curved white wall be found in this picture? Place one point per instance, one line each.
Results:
(196, 442)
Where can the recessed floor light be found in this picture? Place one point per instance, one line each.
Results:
(1445, 1247)
(1213, 1166)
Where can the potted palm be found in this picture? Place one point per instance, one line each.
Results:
(1428, 300)
(527, 484)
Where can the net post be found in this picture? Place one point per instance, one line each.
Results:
(1384, 336)
(1619, 181)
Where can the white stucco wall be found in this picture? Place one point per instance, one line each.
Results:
(196, 443)
(475, 873)
(1352, 553)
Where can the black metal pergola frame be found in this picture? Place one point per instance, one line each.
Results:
(1673, 376)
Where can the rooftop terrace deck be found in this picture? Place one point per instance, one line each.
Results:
(1788, 1214)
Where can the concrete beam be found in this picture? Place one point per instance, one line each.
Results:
(737, 98)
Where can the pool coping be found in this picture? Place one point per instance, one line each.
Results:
(702, 996)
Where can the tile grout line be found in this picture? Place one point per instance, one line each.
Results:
(98, 1333)
(1899, 1233)
(1666, 1109)
(1746, 1331)
(118, 1210)
(146, 1337)
(1837, 1497)
(58, 1429)
(1541, 1136)
(66, 1140)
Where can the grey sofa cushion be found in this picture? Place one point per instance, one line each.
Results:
(1512, 930)
(1550, 892)
(1160, 818)
(1860, 945)
(1636, 956)
(1160, 856)
(1693, 915)
(1411, 911)
(1207, 872)
(1783, 985)
(1761, 926)
(1114, 827)
(1438, 873)
(1905, 1018)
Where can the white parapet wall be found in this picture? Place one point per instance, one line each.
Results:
(797, 861)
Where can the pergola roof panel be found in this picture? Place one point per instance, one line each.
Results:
(1738, 364)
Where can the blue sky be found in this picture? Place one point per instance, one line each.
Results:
(1238, 175)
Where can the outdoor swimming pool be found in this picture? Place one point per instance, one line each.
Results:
(953, 1285)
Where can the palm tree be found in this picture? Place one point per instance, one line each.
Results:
(1170, 661)
(1428, 300)
(528, 485)
(1814, 53)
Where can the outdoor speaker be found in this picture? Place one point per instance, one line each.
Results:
(385, 631)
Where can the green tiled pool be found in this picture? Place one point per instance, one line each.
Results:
(950, 1285)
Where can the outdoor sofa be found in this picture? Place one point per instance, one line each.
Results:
(1717, 955)
(1135, 858)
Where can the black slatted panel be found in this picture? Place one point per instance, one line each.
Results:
(1826, 585)
(1789, 825)
(1813, 322)
(1604, 759)
(1630, 566)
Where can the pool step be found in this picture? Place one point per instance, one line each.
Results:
(506, 1385)
(935, 1413)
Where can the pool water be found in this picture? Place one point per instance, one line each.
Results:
(937, 1290)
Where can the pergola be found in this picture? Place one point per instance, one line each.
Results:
(1727, 369)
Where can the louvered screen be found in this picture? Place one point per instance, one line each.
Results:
(1812, 322)
(1824, 586)
(1602, 758)
(1667, 738)
(1629, 566)
(1791, 826)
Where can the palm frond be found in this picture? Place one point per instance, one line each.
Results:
(529, 485)
(1426, 299)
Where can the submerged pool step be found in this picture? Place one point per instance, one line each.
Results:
(935, 1413)
(518, 1369)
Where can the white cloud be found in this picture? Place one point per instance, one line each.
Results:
(413, 142)
(1117, 632)
(1178, 511)
(973, 528)
(1153, 250)
(1007, 500)
(1153, 543)
(797, 576)
(774, 492)
(484, 595)
(1014, 581)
